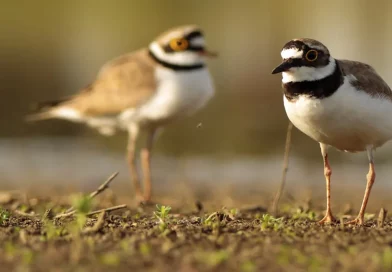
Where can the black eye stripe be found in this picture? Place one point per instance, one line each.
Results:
(195, 48)
(168, 49)
(175, 66)
(304, 63)
(194, 34)
(296, 63)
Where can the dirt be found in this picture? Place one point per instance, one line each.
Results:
(193, 236)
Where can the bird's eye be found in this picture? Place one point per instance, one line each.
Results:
(311, 55)
(289, 60)
(179, 44)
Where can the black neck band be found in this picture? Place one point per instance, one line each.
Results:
(176, 67)
(317, 89)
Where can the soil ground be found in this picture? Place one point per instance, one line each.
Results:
(194, 235)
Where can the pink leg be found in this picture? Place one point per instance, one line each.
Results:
(146, 165)
(371, 176)
(131, 158)
(328, 218)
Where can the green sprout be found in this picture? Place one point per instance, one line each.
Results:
(209, 220)
(162, 213)
(51, 231)
(270, 222)
(233, 212)
(300, 214)
(4, 215)
(83, 205)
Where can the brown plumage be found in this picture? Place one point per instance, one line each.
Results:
(340, 103)
(142, 91)
(124, 82)
(366, 78)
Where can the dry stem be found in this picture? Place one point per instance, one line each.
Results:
(285, 168)
(100, 189)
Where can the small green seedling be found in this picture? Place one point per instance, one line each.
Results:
(300, 214)
(230, 213)
(209, 221)
(233, 212)
(4, 215)
(83, 205)
(213, 221)
(52, 231)
(162, 213)
(270, 222)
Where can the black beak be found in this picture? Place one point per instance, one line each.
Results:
(284, 66)
(207, 53)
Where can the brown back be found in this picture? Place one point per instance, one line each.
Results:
(367, 78)
(125, 82)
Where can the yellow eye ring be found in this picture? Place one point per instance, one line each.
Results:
(179, 44)
(311, 55)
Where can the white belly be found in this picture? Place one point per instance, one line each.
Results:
(179, 94)
(348, 120)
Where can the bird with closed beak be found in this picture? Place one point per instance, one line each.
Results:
(142, 91)
(339, 103)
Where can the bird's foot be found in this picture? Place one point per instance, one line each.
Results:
(328, 218)
(146, 203)
(357, 221)
(139, 199)
(143, 201)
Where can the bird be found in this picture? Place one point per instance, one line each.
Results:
(339, 103)
(142, 91)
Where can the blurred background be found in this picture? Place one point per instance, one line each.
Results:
(50, 49)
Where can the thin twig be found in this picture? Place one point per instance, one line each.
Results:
(104, 185)
(47, 214)
(19, 212)
(381, 217)
(98, 225)
(285, 168)
(100, 189)
(71, 213)
(66, 214)
(114, 208)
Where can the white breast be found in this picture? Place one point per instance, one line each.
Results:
(348, 120)
(179, 94)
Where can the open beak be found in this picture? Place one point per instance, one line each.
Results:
(284, 66)
(208, 53)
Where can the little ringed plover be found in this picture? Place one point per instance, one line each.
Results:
(339, 103)
(142, 90)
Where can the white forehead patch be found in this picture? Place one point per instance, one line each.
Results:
(293, 53)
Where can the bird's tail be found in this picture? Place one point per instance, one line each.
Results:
(39, 116)
(44, 110)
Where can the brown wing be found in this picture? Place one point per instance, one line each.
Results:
(125, 82)
(367, 79)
